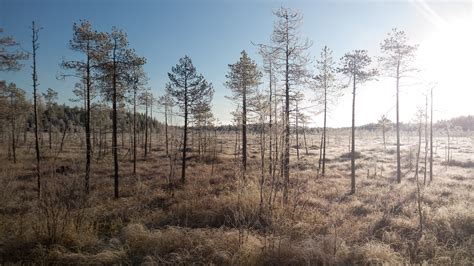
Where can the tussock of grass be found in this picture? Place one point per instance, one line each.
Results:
(466, 164)
(176, 245)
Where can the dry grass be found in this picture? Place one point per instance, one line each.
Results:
(216, 219)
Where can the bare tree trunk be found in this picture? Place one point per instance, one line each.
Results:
(146, 126)
(35, 105)
(100, 140)
(152, 124)
(304, 139)
(262, 162)
(297, 136)
(270, 125)
(13, 134)
(166, 130)
(416, 177)
(426, 141)
(286, 160)
(324, 129)
(88, 125)
(114, 125)
(353, 137)
(399, 171)
(244, 131)
(383, 136)
(185, 137)
(135, 131)
(320, 161)
(431, 138)
(49, 136)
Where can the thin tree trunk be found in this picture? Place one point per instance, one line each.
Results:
(146, 126)
(49, 136)
(383, 135)
(399, 171)
(416, 177)
(88, 125)
(166, 130)
(320, 153)
(244, 131)
(114, 125)
(286, 160)
(135, 131)
(152, 124)
(304, 139)
(270, 125)
(324, 129)
(353, 137)
(185, 137)
(431, 138)
(35, 106)
(297, 135)
(262, 162)
(426, 141)
(13, 134)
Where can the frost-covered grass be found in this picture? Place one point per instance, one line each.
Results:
(216, 219)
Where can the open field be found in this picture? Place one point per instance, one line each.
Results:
(216, 218)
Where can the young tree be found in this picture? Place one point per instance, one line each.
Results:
(145, 99)
(268, 56)
(261, 106)
(136, 79)
(420, 119)
(152, 102)
(10, 60)
(291, 58)
(355, 65)
(397, 64)
(15, 107)
(243, 77)
(202, 118)
(298, 97)
(35, 47)
(91, 44)
(384, 123)
(189, 90)
(326, 85)
(167, 103)
(50, 97)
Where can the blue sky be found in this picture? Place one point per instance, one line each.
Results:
(214, 32)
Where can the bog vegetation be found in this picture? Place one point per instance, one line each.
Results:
(107, 182)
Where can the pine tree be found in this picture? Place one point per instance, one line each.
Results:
(243, 77)
(15, 108)
(329, 90)
(355, 65)
(117, 62)
(50, 97)
(189, 90)
(397, 64)
(10, 60)
(91, 44)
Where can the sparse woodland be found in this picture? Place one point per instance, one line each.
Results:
(120, 175)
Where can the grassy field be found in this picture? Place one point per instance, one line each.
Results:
(216, 217)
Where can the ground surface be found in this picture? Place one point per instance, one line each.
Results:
(216, 217)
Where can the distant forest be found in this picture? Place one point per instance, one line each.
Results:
(60, 116)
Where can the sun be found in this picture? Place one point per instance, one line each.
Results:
(446, 58)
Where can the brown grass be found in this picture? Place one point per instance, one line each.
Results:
(216, 219)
